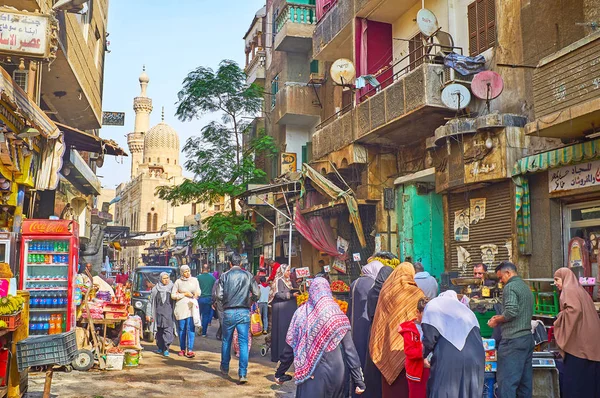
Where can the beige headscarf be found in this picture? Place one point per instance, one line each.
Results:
(397, 304)
(577, 326)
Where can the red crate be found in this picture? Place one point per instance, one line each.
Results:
(13, 321)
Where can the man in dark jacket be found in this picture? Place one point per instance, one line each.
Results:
(236, 291)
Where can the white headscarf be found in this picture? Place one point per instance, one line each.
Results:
(372, 269)
(451, 318)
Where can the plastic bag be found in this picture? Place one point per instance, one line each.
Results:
(256, 325)
(131, 333)
(195, 312)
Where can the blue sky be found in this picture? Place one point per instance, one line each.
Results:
(171, 38)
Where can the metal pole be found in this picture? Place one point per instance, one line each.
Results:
(273, 243)
(290, 245)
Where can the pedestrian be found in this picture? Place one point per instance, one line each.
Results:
(357, 308)
(263, 303)
(160, 313)
(515, 351)
(218, 309)
(372, 373)
(185, 291)
(272, 267)
(417, 368)
(320, 347)
(451, 332)
(576, 328)
(236, 291)
(283, 305)
(206, 282)
(425, 281)
(397, 302)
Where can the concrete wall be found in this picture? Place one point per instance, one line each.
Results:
(295, 138)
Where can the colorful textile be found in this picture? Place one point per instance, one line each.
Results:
(397, 304)
(523, 210)
(318, 326)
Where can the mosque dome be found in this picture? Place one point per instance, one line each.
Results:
(161, 137)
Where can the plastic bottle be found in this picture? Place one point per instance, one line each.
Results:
(55, 300)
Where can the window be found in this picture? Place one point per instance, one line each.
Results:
(314, 66)
(217, 207)
(20, 77)
(167, 160)
(175, 161)
(149, 160)
(155, 222)
(274, 90)
(98, 50)
(415, 51)
(482, 26)
(149, 222)
(85, 17)
(194, 208)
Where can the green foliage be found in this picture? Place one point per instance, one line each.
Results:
(223, 229)
(221, 164)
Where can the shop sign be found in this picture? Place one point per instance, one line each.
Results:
(35, 227)
(28, 34)
(113, 118)
(574, 177)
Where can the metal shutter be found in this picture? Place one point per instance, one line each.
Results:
(495, 229)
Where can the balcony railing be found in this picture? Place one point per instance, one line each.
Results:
(327, 32)
(296, 13)
(296, 104)
(255, 70)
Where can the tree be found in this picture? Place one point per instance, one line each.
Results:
(220, 162)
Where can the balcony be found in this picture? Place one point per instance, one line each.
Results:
(296, 104)
(332, 38)
(255, 70)
(383, 10)
(294, 28)
(335, 135)
(566, 91)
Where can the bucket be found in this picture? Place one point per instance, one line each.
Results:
(132, 358)
(114, 361)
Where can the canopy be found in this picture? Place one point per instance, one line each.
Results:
(89, 142)
(329, 189)
(153, 236)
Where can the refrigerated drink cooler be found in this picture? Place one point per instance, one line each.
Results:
(49, 258)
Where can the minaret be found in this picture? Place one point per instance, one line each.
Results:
(142, 106)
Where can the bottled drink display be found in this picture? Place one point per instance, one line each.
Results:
(46, 272)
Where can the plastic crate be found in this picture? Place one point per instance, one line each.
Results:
(13, 321)
(483, 318)
(56, 349)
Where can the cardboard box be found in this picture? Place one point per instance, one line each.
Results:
(491, 366)
(489, 344)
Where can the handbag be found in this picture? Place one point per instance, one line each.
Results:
(256, 325)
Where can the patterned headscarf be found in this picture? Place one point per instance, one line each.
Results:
(317, 327)
(280, 276)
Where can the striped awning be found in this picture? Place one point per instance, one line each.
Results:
(565, 156)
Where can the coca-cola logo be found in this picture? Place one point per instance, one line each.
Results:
(47, 227)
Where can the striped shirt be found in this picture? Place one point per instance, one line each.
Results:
(517, 302)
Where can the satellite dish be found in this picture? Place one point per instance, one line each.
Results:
(456, 96)
(427, 22)
(342, 71)
(487, 85)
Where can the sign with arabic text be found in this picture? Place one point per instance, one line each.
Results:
(113, 118)
(573, 177)
(27, 34)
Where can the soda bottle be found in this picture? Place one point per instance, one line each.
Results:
(55, 300)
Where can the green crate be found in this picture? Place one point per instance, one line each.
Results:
(483, 318)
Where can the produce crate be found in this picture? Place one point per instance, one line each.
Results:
(483, 318)
(56, 349)
(13, 321)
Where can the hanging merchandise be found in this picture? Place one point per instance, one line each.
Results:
(579, 256)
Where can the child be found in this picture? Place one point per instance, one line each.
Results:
(417, 368)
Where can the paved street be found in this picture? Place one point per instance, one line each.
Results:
(174, 376)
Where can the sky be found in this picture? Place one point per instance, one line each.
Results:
(171, 38)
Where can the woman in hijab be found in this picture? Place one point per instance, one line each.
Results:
(283, 302)
(372, 374)
(185, 290)
(397, 303)
(451, 332)
(160, 312)
(320, 347)
(357, 308)
(576, 329)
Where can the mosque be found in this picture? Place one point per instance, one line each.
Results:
(155, 162)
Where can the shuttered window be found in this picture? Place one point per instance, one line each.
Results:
(415, 51)
(482, 26)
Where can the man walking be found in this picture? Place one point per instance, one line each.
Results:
(425, 281)
(263, 303)
(206, 281)
(515, 351)
(236, 291)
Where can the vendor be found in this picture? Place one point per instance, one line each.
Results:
(479, 272)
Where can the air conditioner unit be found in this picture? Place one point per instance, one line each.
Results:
(451, 76)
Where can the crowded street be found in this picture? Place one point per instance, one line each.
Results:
(300, 198)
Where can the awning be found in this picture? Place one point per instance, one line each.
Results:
(565, 156)
(153, 236)
(329, 189)
(89, 143)
(81, 175)
(288, 185)
(22, 104)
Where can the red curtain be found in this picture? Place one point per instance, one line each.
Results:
(323, 6)
(318, 233)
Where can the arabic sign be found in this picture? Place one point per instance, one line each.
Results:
(574, 177)
(113, 118)
(303, 272)
(25, 33)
